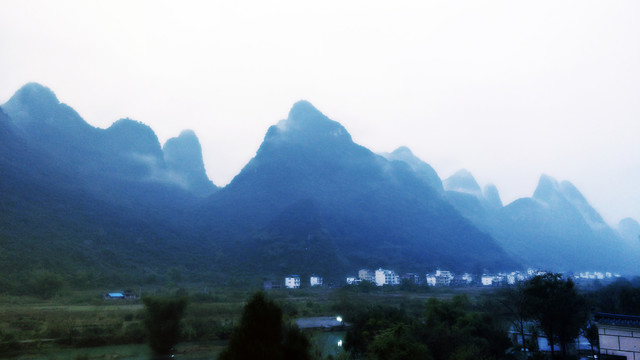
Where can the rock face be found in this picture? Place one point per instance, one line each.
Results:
(463, 182)
(629, 230)
(556, 229)
(421, 168)
(372, 211)
(183, 158)
(112, 160)
(83, 198)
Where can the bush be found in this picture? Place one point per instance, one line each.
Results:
(162, 321)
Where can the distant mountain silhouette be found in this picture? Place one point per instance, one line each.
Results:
(114, 205)
(629, 230)
(122, 163)
(373, 212)
(556, 229)
(421, 168)
(183, 158)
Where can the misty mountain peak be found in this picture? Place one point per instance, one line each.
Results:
(575, 197)
(303, 110)
(629, 229)
(306, 124)
(184, 151)
(547, 190)
(35, 104)
(36, 94)
(183, 158)
(404, 152)
(492, 196)
(130, 136)
(462, 181)
(421, 168)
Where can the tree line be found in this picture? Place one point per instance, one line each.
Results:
(458, 328)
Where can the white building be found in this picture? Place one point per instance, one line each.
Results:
(386, 277)
(487, 280)
(468, 278)
(315, 280)
(366, 274)
(352, 280)
(443, 277)
(431, 280)
(292, 282)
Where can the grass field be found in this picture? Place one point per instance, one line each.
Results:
(81, 325)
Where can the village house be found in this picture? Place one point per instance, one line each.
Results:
(352, 280)
(443, 277)
(487, 280)
(315, 280)
(431, 279)
(292, 282)
(386, 277)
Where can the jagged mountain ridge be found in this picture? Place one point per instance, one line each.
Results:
(127, 153)
(377, 211)
(122, 194)
(556, 229)
(310, 198)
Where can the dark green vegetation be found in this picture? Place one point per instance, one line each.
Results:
(620, 297)
(262, 334)
(443, 329)
(162, 322)
(386, 323)
(556, 307)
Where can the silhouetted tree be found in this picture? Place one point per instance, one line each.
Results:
(451, 330)
(590, 332)
(162, 321)
(262, 334)
(557, 308)
(517, 303)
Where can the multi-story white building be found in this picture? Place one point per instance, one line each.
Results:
(386, 277)
(292, 281)
(315, 280)
(431, 280)
(443, 278)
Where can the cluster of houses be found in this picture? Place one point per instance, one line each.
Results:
(293, 282)
(381, 277)
(440, 278)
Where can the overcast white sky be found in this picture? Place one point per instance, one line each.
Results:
(506, 89)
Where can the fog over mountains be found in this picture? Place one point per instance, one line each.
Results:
(114, 202)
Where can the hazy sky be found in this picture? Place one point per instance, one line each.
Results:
(506, 89)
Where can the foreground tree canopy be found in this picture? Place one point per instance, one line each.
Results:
(446, 330)
(162, 321)
(263, 335)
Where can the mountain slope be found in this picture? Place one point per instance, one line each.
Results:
(377, 212)
(556, 229)
(124, 163)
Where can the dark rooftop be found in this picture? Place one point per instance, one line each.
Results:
(617, 319)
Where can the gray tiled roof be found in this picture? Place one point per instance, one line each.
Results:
(617, 320)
